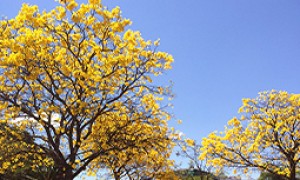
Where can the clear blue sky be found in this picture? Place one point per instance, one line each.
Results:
(224, 51)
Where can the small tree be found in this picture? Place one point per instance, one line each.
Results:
(82, 86)
(190, 150)
(266, 136)
(16, 143)
(269, 176)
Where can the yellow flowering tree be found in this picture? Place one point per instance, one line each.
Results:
(266, 136)
(80, 83)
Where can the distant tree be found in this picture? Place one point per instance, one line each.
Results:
(270, 176)
(189, 149)
(83, 83)
(266, 136)
(12, 148)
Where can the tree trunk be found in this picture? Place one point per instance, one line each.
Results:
(69, 174)
(293, 173)
(292, 170)
(65, 175)
(117, 176)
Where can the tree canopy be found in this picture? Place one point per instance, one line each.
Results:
(80, 83)
(266, 136)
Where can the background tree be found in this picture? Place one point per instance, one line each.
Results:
(197, 169)
(84, 87)
(15, 143)
(189, 149)
(266, 136)
(269, 176)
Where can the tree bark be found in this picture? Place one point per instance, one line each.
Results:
(117, 175)
(293, 172)
(65, 175)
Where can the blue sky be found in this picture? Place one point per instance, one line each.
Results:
(224, 51)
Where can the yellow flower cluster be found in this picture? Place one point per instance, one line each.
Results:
(265, 137)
